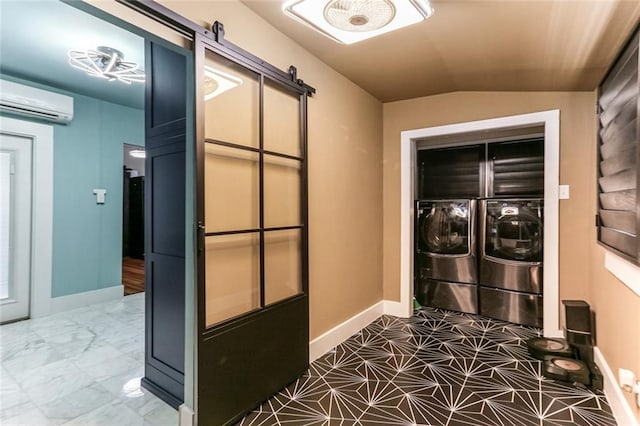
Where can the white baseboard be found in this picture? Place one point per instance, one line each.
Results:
(396, 309)
(185, 416)
(79, 300)
(619, 405)
(338, 334)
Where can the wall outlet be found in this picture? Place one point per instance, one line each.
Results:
(626, 379)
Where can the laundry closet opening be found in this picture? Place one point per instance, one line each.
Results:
(479, 213)
(480, 218)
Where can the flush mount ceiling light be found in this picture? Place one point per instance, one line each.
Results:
(217, 82)
(350, 21)
(138, 153)
(106, 62)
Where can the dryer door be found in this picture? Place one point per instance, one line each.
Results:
(444, 227)
(445, 241)
(514, 230)
(512, 245)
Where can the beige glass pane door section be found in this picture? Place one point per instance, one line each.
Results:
(252, 191)
(281, 121)
(282, 246)
(15, 226)
(282, 194)
(231, 190)
(232, 103)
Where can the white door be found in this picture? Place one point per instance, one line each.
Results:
(15, 226)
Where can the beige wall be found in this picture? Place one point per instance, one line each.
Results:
(345, 164)
(582, 274)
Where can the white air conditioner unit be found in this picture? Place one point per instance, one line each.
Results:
(31, 102)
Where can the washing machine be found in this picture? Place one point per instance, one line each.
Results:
(446, 254)
(512, 241)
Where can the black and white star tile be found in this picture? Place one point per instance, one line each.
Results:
(436, 368)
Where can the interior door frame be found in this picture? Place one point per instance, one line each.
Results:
(41, 209)
(551, 122)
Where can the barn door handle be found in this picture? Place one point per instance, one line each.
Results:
(201, 236)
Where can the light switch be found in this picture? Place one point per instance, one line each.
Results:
(100, 195)
(563, 192)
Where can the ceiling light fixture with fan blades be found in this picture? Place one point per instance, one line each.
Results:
(108, 63)
(351, 21)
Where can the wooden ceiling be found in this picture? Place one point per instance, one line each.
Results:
(478, 45)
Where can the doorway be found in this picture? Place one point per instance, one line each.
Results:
(15, 226)
(133, 219)
(550, 120)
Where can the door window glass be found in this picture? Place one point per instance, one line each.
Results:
(444, 228)
(282, 266)
(514, 231)
(281, 121)
(231, 179)
(232, 102)
(281, 191)
(5, 222)
(233, 275)
(253, 183)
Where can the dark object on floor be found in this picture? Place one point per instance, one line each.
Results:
(597, 380)
(570, 360)
(566, 369)
(578, 322)
(541, 347)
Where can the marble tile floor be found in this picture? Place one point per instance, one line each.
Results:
(436, 368)
(79, 367)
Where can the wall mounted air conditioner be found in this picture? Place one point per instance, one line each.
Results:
(31, 102)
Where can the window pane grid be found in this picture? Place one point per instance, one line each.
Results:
(281, 237)
(249, 231)
(252, 149)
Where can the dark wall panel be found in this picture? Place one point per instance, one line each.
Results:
(168, 314)
(165, 192)
(168, 87)
(168, 188)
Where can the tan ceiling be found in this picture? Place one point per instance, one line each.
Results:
(539, 45)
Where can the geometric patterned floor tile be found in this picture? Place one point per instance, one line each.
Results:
(436, 368)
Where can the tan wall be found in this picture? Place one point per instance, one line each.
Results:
(345, 164)
(582, 274)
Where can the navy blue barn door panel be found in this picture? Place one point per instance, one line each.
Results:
(165, 144)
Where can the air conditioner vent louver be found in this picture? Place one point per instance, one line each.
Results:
(31, 102)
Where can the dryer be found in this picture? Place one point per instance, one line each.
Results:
(511, 261)
(446, 260)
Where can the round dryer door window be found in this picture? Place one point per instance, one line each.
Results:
(444, 228)
(518, 234)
